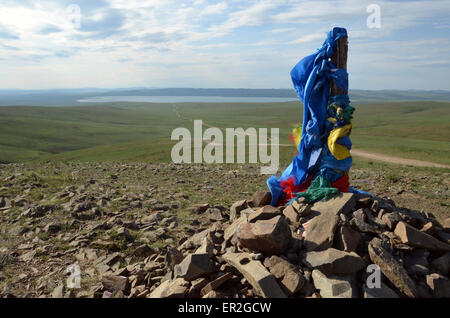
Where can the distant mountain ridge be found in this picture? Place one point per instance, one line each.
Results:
(64, 97)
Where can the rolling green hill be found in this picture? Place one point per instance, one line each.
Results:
(141, 131)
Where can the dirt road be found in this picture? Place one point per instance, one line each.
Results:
(397, 160)
(354, 152)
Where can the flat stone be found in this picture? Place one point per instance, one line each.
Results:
(291, 214)
(413, 237)
(439, 284)
(214, 294)
(382, 203)
(302, 207)
(321, 231)
(194, 266)
(115, 283)
(97, 226)
(195, 241)
(143, 251)
(263, 282)
(154, 217)
(365, 227)
(197, 285)
(442, 264)
(340, 203)
(214, 214)
(58, 292)
(332, 286)
(266, 236)
(288, 275)
(347, 239)
(261, 198)
(378, 223)
(150, 266)
(333, 261)
(173, 257)
(428, 228)
(200, 208)
(139, 290)
(230, 233)
(215, 284)
(391, 268)
(236, 209)
(265, 213)
(171, 289)
(382, 292)
(207, 247)
(246, 212)
(5, 204)
(391, 219)
(360, 215)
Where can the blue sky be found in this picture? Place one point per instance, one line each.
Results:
(200, 43)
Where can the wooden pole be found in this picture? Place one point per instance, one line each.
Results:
(340, 60)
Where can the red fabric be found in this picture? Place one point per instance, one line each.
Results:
(289, 188)
(342, 184)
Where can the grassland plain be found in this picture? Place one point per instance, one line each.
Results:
(141, 131)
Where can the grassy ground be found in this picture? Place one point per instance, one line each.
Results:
(417, 188)
(33, 260)
(141, 131)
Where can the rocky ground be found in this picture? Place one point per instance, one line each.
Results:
(159, 230)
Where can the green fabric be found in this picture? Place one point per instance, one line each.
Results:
(320, 189)
(348, 113)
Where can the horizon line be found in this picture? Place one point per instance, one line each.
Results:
(207, 88)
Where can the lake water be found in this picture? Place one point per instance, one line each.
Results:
(185, 99)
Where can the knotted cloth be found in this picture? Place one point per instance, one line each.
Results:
(323, 158)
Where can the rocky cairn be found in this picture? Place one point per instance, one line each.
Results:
(252, 249)
(301, 250)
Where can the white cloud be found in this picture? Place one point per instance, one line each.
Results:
(198, 2)
(282, 30)
(216, 44)
(254, 15)
(317, 11)
(309, 38)
(214, 9)
(394, 14)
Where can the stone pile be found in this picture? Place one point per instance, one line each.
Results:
(349, 246)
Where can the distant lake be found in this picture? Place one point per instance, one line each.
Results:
(185, 99)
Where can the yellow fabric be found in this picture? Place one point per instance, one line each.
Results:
(297, 132)
(340, 152)
(332, 120)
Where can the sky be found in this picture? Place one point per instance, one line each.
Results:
(218, 44)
